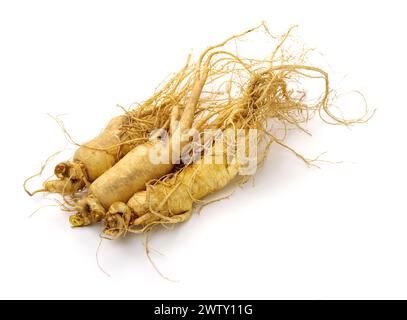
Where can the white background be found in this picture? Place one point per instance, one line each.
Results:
(334, 232)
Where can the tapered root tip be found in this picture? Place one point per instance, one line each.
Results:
(35, 192)
(64, 187)
(76, 221)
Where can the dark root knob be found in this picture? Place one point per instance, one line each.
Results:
(117, 220)
(89, 211)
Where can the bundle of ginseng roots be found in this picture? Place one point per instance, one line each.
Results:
(121, 178)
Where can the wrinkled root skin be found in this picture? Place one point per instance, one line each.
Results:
(90, 211)
(120, 219)
(63, 187)
(117, 220)
(170, 202)
(72, 178)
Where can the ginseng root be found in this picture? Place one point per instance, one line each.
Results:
(169, 201)
(132, 172)
(266, 96)
(122, 134)
(221, 91)
(91, 160)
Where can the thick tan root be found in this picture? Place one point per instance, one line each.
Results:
(100, 154)
(121, 182)
(169, 201)
(123, 133)
(131, 173)
(91, 159)
(267, 91)
(128, 176)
